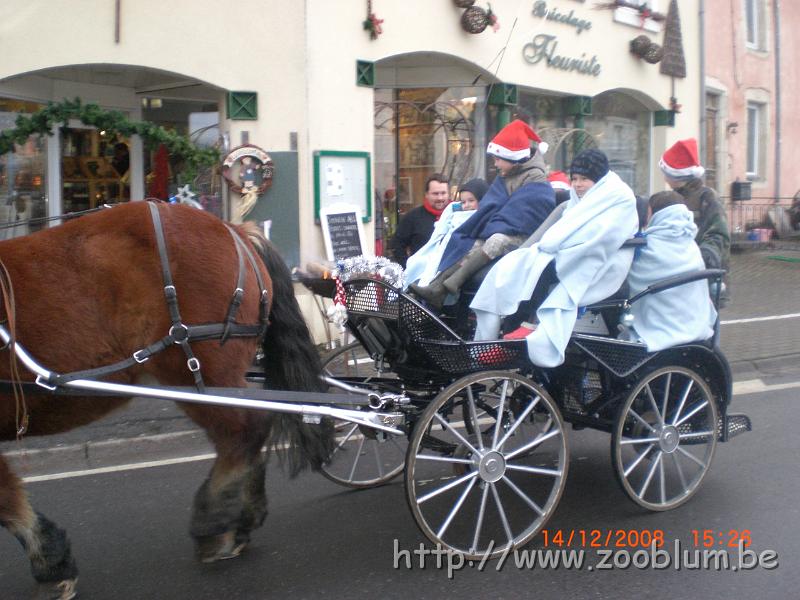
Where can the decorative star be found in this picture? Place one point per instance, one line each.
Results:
(184, 196)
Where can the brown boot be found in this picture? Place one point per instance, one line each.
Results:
(473, 263)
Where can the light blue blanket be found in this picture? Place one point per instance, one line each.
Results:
(677, 315)
(422, 266)
(586, 246)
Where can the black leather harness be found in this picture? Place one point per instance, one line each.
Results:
(179, 333)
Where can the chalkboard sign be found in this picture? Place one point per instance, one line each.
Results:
(343, 231)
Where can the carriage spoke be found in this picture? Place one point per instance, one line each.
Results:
(679, 469)
(378, 462)
(479, 524)
(473, 415)
(662, 482)
(641, 420)
(502, 512)
(694, 411)
(447, 459)
(500, 408)
(523, 495)
(684, 396)
(449, 486)
(358, 457)
(653, 404)
(695, 434)
(692, 457)
(456, 508)
(344, 441)
(650, 473)
(629, 441)
(450, 428)
(519, 421)
(639, 459)
(531, 445)
(666, 397)
(535, 470)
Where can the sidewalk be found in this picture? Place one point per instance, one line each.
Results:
(764, 282)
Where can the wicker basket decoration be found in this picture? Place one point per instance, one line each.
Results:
(647, 50)
(463, 3)
(474, 20)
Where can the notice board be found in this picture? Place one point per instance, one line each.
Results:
(342, 178)
(343, 231)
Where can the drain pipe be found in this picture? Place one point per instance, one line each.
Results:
(702, 25)
(776, 9)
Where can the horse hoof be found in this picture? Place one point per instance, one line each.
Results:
(219, 547)
(57, 590)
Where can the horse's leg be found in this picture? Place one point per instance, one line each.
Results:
(46, 544)
(232, 500)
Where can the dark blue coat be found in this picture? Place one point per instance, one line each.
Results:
(518, 214)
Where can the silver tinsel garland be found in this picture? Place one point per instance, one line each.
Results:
(370, 266)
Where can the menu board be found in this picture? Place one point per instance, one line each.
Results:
(343, 231)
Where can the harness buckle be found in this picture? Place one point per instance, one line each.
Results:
(41, 381)
(193, 364)
(182, 333)
(170, 292)
(137, 356)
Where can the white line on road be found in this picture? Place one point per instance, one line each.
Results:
(740, 388)
(757, 319)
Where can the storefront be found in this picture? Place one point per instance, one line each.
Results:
(424, 95)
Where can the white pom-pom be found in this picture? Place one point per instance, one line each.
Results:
(543, 146)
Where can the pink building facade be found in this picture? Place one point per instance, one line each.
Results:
(752, 129)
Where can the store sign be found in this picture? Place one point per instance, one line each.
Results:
(543, 49)
(553, 14)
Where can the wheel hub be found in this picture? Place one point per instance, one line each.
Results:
(492, 466)
(669, 439)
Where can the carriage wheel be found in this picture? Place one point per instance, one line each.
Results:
(664, 438)
(486, 464)
(362, 457)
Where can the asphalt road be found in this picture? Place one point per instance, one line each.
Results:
(129, 531)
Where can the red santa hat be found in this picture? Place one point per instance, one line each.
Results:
(513, 143)
(559, 180)
(681, 161)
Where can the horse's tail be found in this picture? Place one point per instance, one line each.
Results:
(291, 362)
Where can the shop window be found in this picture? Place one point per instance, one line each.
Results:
(95, 168)
(22, 176)
(756, 140)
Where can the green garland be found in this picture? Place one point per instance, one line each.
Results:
(112, 121)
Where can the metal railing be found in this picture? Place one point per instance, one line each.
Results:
(762, 219)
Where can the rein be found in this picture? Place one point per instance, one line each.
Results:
(65, 217)
(179, 333)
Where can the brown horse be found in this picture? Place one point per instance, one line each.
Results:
(90, 293)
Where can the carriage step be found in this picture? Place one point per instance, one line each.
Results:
(737, 424)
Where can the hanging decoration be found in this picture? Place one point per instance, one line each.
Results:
(463, 3)
(673, 105)
(186, 196)
(253, 176)
(476, 19)
(643, 8)
(647, 50)
(372, 23)
(113, 122)
(674, 62)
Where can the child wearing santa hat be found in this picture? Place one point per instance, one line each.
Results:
(683, 172)
(518, 201)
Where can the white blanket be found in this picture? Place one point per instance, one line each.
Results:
(677, 315)
(586, 246)
(422, 266)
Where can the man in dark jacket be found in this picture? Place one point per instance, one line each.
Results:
(517, 202)
(415, 228)
(683, 173)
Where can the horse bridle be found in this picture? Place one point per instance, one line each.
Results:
(179, 333)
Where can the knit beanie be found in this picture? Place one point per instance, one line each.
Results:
(592, 164)
(478, 187)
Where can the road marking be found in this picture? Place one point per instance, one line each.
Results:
(756, 386)
(740, 388)
(118, 468)
(757, 319)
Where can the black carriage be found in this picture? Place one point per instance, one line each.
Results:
(484, 455)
